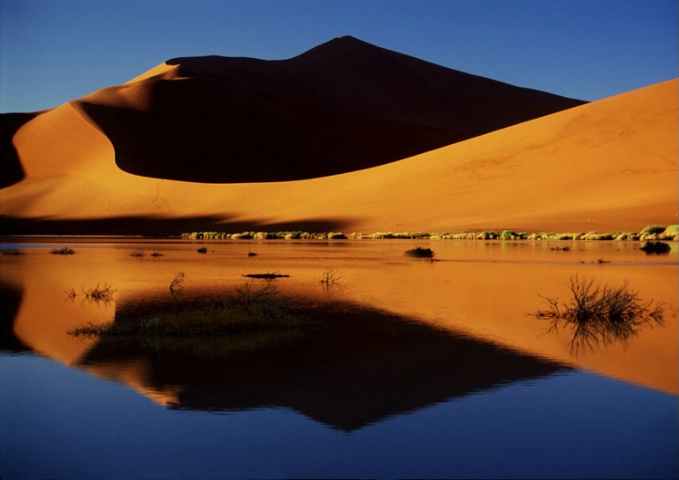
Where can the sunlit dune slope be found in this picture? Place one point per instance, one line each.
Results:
(608, 165)
(342, 106)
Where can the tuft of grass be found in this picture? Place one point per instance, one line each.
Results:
(12, 251)
(202, 250)
(246, 319)
(62, 251)
(99, 293)
(420, 252)
(137, 253)
(657, 248)
(157, 254)
(597, 313)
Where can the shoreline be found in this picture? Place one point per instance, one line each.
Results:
(649, 233)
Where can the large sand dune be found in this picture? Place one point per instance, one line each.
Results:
(607, 165)
(342, 106)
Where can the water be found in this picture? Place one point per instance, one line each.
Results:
(434, 369)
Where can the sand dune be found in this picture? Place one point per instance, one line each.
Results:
(342, 106)
(607, 165)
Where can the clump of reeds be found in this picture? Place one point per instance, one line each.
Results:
(99, 293)
(420, 252)
(600, 313)
(137, 253)
(62, 251)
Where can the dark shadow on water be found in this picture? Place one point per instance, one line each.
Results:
(171, 226)
(362, 367)
(10, 301)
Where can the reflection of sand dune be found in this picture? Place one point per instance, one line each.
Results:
(364, 367)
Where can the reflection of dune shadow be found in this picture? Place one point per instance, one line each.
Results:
(364, 366)
(10, 301)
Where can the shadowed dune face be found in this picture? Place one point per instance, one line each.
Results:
(11, 170)
(343, 106)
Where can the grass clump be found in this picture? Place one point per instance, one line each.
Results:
(420, 252)
(137, 253)
(62, 251)
(652, 229)
(246, 319)
(597, 313)
(202, 250)
(99, 293)
(13, 252)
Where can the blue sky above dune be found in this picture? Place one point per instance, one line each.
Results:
(53, 51)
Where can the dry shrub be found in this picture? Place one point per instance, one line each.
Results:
(600, 314)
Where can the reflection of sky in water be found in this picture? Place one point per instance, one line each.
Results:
(60, 422)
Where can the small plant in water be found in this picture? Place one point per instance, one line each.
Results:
(177, 282)
(62, 251)
(156, 254)
(12, 251)
(137, 253)
(202, 250)
(100, 293)
(598, 313)
(331, 277)
(420, 252)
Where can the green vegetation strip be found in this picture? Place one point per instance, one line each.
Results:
(651, 232)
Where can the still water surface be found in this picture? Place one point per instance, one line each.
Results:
(444, 374)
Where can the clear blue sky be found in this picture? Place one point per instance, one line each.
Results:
(53, 51)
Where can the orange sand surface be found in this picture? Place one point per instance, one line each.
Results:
(608, 165)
